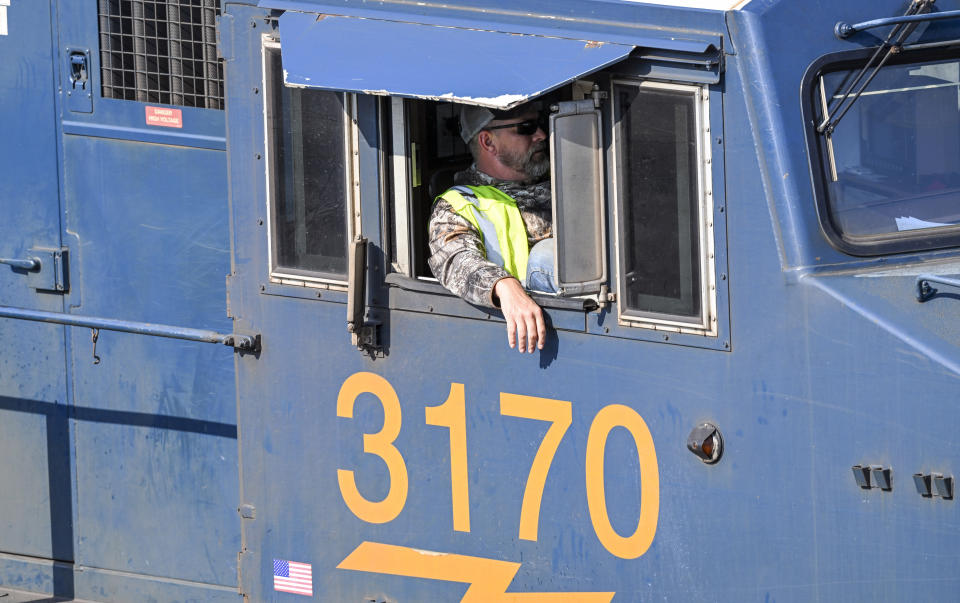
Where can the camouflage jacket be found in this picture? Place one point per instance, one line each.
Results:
(457, 256)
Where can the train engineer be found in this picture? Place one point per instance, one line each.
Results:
(491, 233)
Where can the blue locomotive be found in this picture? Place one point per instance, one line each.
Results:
(747, 388)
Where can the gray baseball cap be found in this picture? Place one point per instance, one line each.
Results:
(473, 118)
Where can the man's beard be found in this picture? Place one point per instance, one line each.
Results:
(525, 163)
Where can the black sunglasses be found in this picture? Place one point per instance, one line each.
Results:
(527, 127)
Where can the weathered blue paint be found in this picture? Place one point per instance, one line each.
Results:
(122, 479)
(35, 513)
(615, 22)
(376, 57)
(823, 369)
(165, 452)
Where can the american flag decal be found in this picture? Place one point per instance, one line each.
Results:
(293, 577)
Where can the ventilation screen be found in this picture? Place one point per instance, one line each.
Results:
(161, 51)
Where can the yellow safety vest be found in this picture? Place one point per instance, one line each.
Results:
(495, 216)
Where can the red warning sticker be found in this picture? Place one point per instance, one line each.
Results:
(162, 116)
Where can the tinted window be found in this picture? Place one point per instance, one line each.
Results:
(307, 136)
(659, 200)
(892, 164)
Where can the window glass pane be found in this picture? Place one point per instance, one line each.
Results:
(659, 201)
(894, 158)
(309, 184)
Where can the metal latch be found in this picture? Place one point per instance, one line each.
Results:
(45, 268)
(78, 69)
(79, 96)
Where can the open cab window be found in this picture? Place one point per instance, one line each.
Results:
(630, 168)
(427, 154)
(653, 146)
(888, 175)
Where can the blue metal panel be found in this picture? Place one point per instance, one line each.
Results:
(634, 24)
(825, 372)
(374, 57)
(35, 500)
(124, 119)
(160, 444)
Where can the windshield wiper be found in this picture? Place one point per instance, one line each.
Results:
(903, 27)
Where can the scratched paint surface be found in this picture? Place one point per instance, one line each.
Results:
(381, 51)
(708, 4)
(34, 439)
(162, 442)
(818, 378)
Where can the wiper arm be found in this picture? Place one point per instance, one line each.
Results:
(890, 47)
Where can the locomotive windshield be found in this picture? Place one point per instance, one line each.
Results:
(892, 165)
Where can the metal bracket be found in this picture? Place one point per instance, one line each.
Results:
(45, 268)
(862, 475)
(366, 338)
(873, 476)
(944, 485)
(243, 342)
(50, 270)
(882, 477)
(934, 484)
(925, 291)
(363, 334)
(844, 30)
(78, 91)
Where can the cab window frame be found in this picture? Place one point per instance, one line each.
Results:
(706, 323)
(819, 157)
(293, 275)
(417, 292)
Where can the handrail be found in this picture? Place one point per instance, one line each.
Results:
(237, 341)
(27, 264)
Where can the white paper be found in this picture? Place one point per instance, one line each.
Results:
(911, 223)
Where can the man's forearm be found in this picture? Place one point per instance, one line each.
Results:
(457, 258)
(469, 275)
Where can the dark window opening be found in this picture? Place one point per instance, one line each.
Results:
(435, 153)
(307, 136)
(659, 200)
(161, 51)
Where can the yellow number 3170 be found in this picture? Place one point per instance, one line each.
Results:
(452, 415)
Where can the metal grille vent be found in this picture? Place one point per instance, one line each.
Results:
(161, 51)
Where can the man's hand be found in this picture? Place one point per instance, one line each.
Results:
(524, 317)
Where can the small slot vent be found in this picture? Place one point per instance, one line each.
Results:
(161, 51)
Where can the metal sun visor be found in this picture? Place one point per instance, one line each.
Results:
(578, 199)
(388, 58)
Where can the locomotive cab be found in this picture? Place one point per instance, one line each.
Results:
(634, 168)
